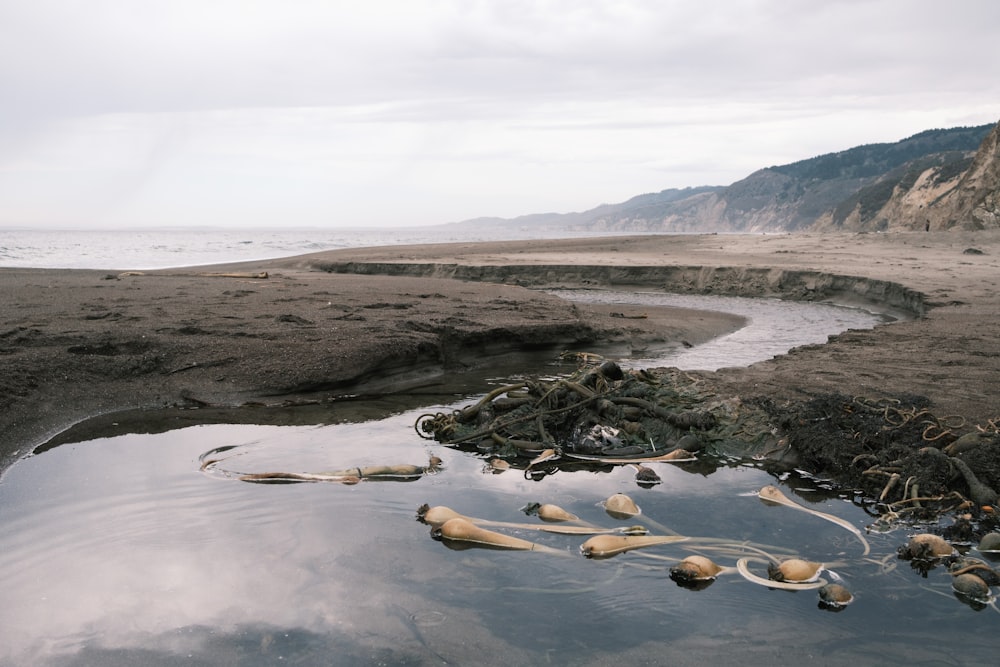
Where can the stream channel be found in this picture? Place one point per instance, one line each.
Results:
(121, 551)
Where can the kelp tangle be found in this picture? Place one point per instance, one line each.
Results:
(901, 461)
(907, 464)
(600, 415)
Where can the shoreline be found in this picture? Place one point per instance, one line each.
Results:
(79, 343)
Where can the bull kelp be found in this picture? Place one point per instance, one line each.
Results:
(604, 414)
(905, 463)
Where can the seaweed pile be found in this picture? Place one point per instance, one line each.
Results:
(910, 464)
(902, 462)
(602, 414)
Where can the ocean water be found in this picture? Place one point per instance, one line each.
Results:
(169, 248)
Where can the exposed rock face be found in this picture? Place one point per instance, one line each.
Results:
(975, 201)
(909, 208)
(951, 194)
(901, 200)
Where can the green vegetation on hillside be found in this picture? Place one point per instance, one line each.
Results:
(872, 160)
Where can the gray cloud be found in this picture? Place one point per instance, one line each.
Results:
(737, 84)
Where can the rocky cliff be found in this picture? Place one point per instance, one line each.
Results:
(974, 203)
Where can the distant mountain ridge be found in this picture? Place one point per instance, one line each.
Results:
(942, 178)
(652, 203)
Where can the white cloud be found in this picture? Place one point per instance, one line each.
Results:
(262, 112)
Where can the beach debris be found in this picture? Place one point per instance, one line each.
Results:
(904, 495)
(403, 472)
(696, 568)
(795, 570)
(606, 546)
(439, 514)
(462, 531)
(246, 275)
(971, 579)
(620, 506)
(980, 492)
(673, 456)
(645, 475)
(990, 543)
(743, 567)
(925, 547)
(290, 477)
(603, 416)
(600, 414)
(640, 316)
(965, 443)
(834, 597)
(497, 466)
(980, 568)
(972, 587)
(253, 275)
(543, 457)
(773, 495)
(549, 512)
(916, 465)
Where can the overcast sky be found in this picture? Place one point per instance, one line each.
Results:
(383, 112)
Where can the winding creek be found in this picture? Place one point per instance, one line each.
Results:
(121, 551)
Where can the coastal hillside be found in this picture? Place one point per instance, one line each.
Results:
(974, 203)
(942, 178)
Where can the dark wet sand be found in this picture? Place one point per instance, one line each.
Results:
(75, 344)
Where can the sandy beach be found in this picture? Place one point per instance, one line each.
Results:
(948, 349)
(76, 344)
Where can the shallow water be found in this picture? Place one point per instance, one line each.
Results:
(773, 327)
(122, 551)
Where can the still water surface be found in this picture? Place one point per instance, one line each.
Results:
(772, 326)
(121, 551)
